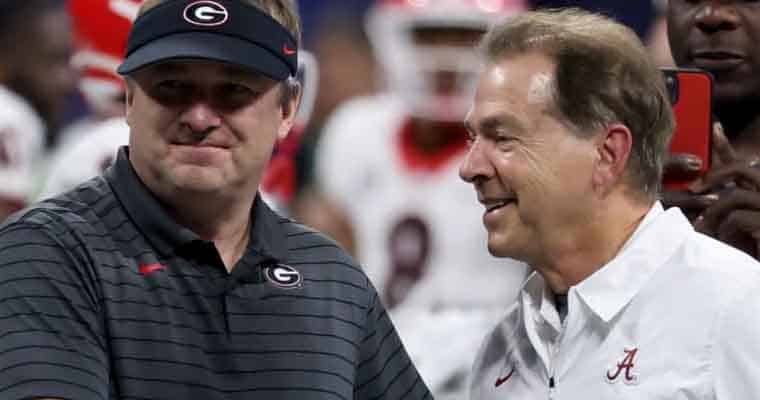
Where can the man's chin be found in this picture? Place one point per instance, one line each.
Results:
(196, 180)
(500, 248)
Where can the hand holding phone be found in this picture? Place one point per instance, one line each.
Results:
(691, 98)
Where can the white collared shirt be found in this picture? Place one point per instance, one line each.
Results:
(675, 315)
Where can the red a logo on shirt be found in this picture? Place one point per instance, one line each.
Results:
(624, 367)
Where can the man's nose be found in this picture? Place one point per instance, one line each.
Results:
(475, 166)
(201, 116)
(717, 15)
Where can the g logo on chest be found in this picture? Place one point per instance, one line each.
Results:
(283, 276)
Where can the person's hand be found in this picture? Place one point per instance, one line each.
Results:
(734, 184)
(682, 167)
(734, 218)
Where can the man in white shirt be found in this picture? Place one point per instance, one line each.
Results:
(568, 132)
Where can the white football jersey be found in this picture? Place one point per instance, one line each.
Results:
(85, 156)
(420, 236)
(22, 146)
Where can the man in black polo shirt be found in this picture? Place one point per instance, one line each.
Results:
(168, 278)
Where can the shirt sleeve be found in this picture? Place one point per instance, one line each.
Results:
(385, 370)
(51, 335)
(737, 347)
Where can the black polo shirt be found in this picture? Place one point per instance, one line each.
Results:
(104, 296)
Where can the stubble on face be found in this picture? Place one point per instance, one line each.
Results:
(188, 136)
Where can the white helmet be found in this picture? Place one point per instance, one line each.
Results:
(411, 68)
(101, 28)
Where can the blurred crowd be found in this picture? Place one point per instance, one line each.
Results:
(372, 161)
(67, 81)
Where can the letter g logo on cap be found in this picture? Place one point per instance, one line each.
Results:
(205, 13)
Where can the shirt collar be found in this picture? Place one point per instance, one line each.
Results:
(538, 298)
(608, 290)
(164, 233)
(267, 235)
(613, 286)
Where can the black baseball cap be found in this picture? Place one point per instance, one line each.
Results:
(229, 31)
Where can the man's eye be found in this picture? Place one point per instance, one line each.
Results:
(171, 92)
(171, 88)
(233, 96)
(171, 85)
(237, 89)
(505, 142)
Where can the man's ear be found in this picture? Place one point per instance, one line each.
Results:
(613, 151)
(291, 98)
(129, 96)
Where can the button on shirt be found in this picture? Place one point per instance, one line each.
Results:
(675, 315)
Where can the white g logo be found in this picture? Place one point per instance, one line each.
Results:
(283, 276)
(205, 13)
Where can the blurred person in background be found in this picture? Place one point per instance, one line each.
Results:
(101, 29)
(347, 69)
(36, 77)
(721, 37)
(389, 163)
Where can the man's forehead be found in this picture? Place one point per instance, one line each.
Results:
(520, 75)
(510, 93)
(540, 87)
(514, 86)
(479, 120)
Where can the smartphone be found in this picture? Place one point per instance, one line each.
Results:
(691, 92)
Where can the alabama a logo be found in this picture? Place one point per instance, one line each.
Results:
(623, 369)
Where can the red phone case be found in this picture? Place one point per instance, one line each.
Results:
(691, 96)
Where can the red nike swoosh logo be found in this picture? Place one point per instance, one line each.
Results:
(288, 51)
(500, 381)
(150, 268)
